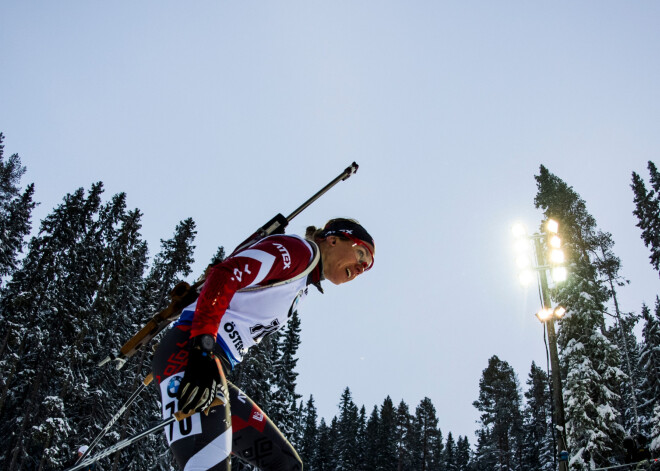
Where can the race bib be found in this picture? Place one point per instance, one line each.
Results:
(183, 428)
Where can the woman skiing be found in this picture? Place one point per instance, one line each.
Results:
(246, 297)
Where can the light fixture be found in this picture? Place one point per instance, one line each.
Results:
(526, 277)
(523, 261)
(559, 312)
(544, 314)
(559, 274)
(519, 230)
(555, 241)
(552, 226)
(557, 256)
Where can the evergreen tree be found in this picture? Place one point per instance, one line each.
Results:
(309, 443)
(463, 454)
(372, 434)
(647, 210)
(500, 403)
(47, 317)
(362, 439)
(386, 441)
(15, 211)
(403, 421)
(323, 459)
(538, 444)
(591, 363)
(655, 431)
(348, 454)
(282, 408)
(171, 265)
(449, 458)
(487, 456)
(649, 363)
(426, 433)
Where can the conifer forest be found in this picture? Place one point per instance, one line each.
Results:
(80, 282)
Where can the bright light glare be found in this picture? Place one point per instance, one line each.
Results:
(544, 314)
(519, 230)
(526, 277)
(559, 312)
(557, 256)
(522, 246)
(555, 241)
(552, 226)
(559, 274)
(523, 261)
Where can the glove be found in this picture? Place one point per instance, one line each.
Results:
(202, 376)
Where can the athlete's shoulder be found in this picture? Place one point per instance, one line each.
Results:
(292, 254)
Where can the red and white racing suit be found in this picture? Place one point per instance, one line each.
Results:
(246, 297)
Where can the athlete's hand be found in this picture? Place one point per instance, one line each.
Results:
(202, 376)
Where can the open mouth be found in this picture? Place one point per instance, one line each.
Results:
(348, 272)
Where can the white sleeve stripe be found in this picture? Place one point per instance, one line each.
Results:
(265, 258)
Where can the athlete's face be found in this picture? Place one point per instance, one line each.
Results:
(344, 260)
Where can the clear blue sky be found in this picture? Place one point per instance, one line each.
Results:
(229, 112)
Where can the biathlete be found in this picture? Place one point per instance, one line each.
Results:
(249, 295)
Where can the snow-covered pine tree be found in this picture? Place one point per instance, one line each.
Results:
(501, 418)
(449, 455)
(621, 333)
(282, 409)
(426, 436)
(403, 435)
(47, 317)
(119, 257)
(649, 364)
(308, 444)
(15, 212)
(538, 442)
(348, 454)
(362, 438)
(386, 441)
(591, 363)
(486, 456)
(438, 461)
(463, 454)
(655, 432)
(647, 210)
(371, 434)
(171, 265)
(323, 458)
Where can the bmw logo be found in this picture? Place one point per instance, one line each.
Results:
(173, 386)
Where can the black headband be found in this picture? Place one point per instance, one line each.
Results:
(349, 227)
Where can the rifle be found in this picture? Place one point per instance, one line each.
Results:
(183, 294)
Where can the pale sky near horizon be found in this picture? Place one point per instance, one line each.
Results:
(230, 112)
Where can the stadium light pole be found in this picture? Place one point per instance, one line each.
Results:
(538, 268)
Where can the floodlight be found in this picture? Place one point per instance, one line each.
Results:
(544, 314)
(519, 230)
(557, 256)
(522, 245)
(559, 312)
(526, 277)
(559, 274)
(555, 241)
(523, 261)
(552, 226)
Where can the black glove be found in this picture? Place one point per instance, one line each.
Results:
(202, 376)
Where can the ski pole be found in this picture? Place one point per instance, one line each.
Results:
(184, 294)
(145, 382)
(130, 440)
